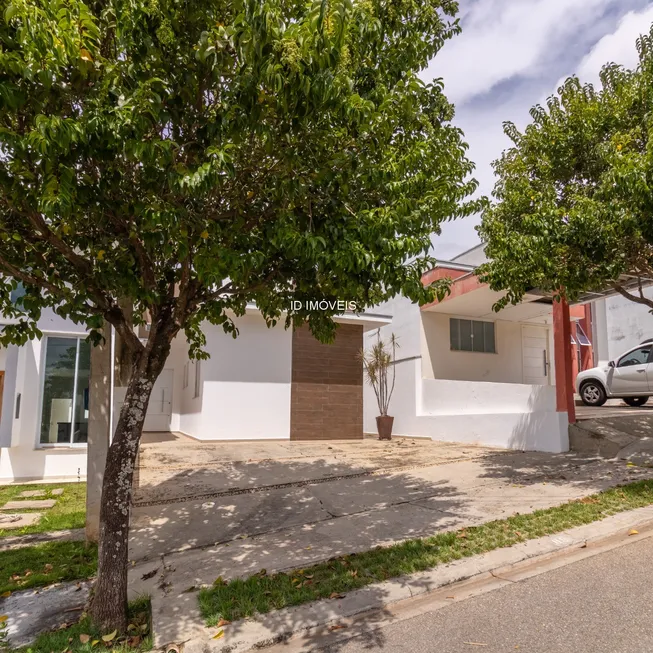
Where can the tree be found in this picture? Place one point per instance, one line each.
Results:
(177, 160)
(574, 195)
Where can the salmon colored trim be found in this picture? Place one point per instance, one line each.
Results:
(562, 351)
(463, 283)
(577, 311)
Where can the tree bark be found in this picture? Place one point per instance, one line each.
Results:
(109, 606)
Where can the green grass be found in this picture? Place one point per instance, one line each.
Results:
(262, 593)
(68, 512)
(43, 564)
(67, 639)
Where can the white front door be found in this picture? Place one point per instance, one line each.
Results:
(159, 410)
(535, 355)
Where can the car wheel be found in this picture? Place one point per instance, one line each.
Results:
(593, 394)
(635, 401)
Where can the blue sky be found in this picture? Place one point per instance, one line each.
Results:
(513, 54)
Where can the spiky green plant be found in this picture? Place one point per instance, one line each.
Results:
(377, 363)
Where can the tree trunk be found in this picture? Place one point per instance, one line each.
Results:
(109, 606)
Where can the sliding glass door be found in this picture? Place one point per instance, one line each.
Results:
(66, 375)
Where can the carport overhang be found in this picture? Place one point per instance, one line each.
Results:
(470, 297)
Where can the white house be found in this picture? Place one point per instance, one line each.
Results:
(266, 384)
(468, 374)
(620, 324)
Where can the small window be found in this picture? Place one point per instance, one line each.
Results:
(186, 366)
(637, 357)
(583, 340)
(472, 335)
(198, 377)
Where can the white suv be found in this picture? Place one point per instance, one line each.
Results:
(630, 378)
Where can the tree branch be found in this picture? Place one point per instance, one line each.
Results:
(13, 271)
(634, 298)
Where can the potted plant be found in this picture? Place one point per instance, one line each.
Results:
(376, 363)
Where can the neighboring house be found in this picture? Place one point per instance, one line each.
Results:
(620, 324)
(468, 374)
(266, 384)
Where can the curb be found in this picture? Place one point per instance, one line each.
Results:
(279, 626)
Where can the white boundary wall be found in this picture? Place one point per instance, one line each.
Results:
(507, 415)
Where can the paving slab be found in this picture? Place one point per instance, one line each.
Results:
(32, 493)
(176, 483)
(11, 521)
(57, 492)
(33, 611)
(9, 542)
(36, 504)
(157, 530)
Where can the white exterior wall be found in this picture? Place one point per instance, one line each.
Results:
(512, 416)
(439, 362)
(245, 385)
(620, 324)
(467, 397)
(21, 457)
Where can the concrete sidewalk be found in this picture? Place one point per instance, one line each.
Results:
(312, 517)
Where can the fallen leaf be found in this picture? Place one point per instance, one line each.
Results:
(219, 581)
(307, 548)
(223, 622)
(47, 568)
(149, 574)
(219, 634)
(134, 641)
(263, 572)
(84, 638)
(449, 597)
(6, 594)
(335, 595)
(461, 535)
(633, 532)
(110, 637)
(95, 642)
(337, 627)
(3, 618)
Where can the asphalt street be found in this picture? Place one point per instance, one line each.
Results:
(602, 604)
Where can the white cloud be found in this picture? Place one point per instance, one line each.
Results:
(502, 39)
(618, 47)
(530, 44)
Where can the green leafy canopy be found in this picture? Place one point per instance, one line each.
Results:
(574, 200)
(192, 157)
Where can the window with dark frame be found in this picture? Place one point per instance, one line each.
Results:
(198, 377)
(472, 335)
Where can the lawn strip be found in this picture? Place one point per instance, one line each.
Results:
(82, 637)
(44, 564)
(68, 512)
(262, 593)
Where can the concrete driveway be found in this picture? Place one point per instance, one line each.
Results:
(193, 495)
(209, 509)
